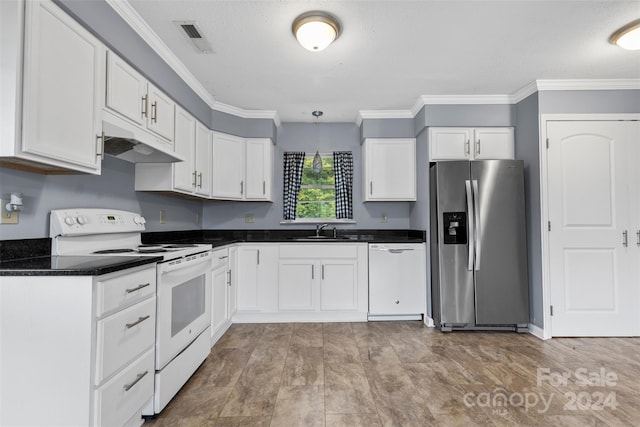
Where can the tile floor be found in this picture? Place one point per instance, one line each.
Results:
(404, 374)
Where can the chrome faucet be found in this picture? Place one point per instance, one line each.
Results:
(319, 228)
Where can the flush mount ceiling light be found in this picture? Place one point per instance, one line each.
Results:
(316, 30)
(627, 37)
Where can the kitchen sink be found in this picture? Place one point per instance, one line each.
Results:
(315, 238)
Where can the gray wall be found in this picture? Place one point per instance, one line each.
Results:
(589, 101)
(112, 189)
(527, 149)
(308, 137)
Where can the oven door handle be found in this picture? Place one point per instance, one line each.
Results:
(186, 262)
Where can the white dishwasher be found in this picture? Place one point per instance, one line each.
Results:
(397, 281)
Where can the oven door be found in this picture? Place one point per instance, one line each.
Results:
(184, 304)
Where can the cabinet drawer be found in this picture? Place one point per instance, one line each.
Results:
(220, 258)
(319, 250)
(121, 290)
(126, 393)
(123, 336)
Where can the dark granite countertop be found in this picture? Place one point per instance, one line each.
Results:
(71, 265)
(218, 238)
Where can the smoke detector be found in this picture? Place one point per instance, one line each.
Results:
(191, 31)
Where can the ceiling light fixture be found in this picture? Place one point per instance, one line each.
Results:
(316, 30)
(627, 37)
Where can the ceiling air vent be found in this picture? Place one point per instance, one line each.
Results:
(193, 34)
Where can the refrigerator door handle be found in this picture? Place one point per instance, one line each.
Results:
(476, 211)
(470, 219)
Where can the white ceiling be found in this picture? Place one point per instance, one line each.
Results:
(390, 53)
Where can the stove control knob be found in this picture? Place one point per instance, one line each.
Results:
(69, 220)
(139, 220)
(82, 220)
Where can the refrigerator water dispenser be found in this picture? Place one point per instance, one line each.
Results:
(455, 228)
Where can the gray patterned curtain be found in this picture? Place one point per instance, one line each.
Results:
(343, 169)
(293, 162)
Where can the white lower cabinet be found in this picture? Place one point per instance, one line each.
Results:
(323, 282)
(220, 276)
(257, 276)
(78, 349)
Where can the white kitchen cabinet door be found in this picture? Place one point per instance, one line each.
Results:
(259, 168)
(296, 284)
(184, 173)
(450, 143)
(126, 90)
(257, 277)
(494, 143)
(389, 169)
(63, 90)
(228, 168)
(232, 282)
(219, 303)
(203, 159)
(161, 113)
(593, 218)
(338, 284)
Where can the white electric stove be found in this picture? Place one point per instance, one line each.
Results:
(183, 287)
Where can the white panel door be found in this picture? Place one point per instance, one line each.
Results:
(494, 143)
(593, 289)
(161, 113)
(390, 169)
(63, 89)
(339, 285)
(126, 90)
(296, 284)
(248, 292)
(184, 175)
(258, 168)
(219, 295)
(450, 143)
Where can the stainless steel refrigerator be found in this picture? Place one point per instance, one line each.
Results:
(479, 276)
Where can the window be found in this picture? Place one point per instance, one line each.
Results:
(317, 197)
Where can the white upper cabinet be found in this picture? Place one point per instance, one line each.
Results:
(389, 169)
(471, 143)
(62, 92)
(203, 150)
(184, 173)
(242, 168)
(228, 166)
(133, 97)
(259, 169)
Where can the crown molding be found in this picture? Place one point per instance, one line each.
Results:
(139, 25)
(588, 84)
(383, 114)
(247, 114)
(524, 92)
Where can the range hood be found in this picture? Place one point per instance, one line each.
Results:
(129, 142)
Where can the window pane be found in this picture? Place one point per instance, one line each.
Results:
(317, 195)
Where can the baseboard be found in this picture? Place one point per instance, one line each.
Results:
(386, 317)
(298, 316)
(428, 321)
(537, 331)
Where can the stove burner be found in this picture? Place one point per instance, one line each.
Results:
(148, 245)
(179, 246)
(113, 251)
(151, 251)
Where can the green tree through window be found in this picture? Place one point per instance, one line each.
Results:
(317, 198)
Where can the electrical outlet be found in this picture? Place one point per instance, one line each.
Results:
(384, 218)
(163, 216)
(7, 217)
(248, 218)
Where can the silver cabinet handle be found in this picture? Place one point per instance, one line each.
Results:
(625, 238)
(200, 179)
(478, 146)
(258, 257)
(241, 187)
(223, 257)
(468, 147)
(313, 271)
(100, 152)
(137, 288)
(195, 173)
(399, 251)
(322, 271)
(371, 188)
(470, 231)
(128, 387)
(264, 188)
(137, 322)
(144, 106)
(154, 112)
(638, 238)
(229, 281)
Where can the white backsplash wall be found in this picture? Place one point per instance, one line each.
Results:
(113, 189)
(308, 137)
